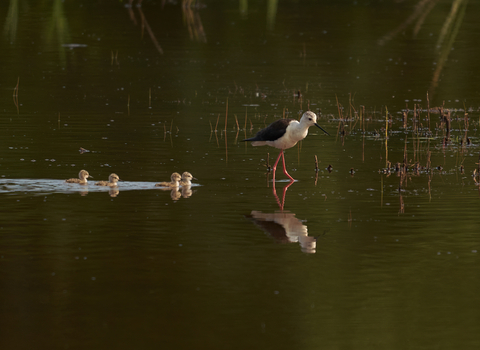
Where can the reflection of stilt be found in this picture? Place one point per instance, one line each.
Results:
(281, 204)
(284, 227)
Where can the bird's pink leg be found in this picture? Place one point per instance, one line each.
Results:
(285, 169)
(275, 165)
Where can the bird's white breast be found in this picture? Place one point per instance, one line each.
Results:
(293, 134)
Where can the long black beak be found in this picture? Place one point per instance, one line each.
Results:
(322, 129)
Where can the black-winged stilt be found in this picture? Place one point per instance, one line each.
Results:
(285, 133)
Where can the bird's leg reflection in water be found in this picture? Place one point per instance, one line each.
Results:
(282, 203)
(284, 227)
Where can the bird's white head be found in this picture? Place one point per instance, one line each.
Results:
(309, 118)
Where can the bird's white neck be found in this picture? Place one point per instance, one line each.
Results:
(298, 131)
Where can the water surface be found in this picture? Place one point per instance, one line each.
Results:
(339, 259)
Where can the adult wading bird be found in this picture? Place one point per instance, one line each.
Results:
(285, 133)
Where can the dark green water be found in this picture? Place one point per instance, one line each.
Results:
(363, 265)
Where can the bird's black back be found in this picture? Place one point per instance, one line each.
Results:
(272, 132)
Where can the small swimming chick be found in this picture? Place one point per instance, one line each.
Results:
(112, 181)
(174, 183)
(82, 178)
(186, 179)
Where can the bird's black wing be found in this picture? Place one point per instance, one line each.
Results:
(272, 132)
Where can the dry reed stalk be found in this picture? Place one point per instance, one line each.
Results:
(338, 108)
(236, 136)
(245, 118)
(478, 164)
(402, 205)
(236, 120)
(428, 111)
(226, 148)
(350, 106)
(363, 118)
(363, 148)
(414, 117)
(15, 95)
(150, 31)
(226, 116)
(386, 135)
(218, 117)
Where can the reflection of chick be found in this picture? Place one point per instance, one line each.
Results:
(113, 192)
(186, 179)
(112, 181)
(82, 178)
(175, 194)
(284, 227)
(186, 191)
(173, 184)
